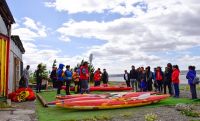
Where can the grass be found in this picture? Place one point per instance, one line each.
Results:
(62, 114)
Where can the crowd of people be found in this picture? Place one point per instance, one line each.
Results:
(143, 79)
(140, 79)
(80, 76)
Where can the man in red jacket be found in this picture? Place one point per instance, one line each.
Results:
(175, 80)
(84, 78)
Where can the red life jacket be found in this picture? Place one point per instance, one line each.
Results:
(84, 73)
(97, 76)
(159, 76)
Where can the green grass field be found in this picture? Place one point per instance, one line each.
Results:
(62, 114)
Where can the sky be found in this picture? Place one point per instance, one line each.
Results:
(119, 33)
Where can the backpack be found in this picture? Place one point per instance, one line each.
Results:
(196, 80)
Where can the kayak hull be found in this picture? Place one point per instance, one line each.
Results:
(111, 103)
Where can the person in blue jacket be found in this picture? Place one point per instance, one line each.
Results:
(68, 79)
(60, 79)
(190, 76)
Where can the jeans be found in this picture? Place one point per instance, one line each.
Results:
(97, 83)
(193, 91)
(134, 83)
(68, 87)
(176, 89)
(26, 83)
(128, 83)
(169, 85)
(38, 86)
(160, 86)
(59, 86)
(84, 86)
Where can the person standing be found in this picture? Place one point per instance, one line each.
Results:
(53, 76)
(191, 76)
(75, 77)
(168, 79)
(84, 78)
(26, 75)
(105, 77)
(155, 84)
(127, 78)
(68, 79)
(39, 78)
(133, 78)
(175, 80)
(142, 80)
(97, 77)
(159, 79)
(149, 77)
(60, 79)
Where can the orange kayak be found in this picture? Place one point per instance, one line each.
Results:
(107, 103)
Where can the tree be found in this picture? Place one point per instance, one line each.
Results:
(44, 72)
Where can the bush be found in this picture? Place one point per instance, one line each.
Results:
(151, 117)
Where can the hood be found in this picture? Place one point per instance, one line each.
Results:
(61, 66)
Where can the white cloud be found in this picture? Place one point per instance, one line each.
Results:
(30, 30)
(123, 7)
(167, 26)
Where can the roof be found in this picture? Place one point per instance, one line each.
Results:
(18, 42)
(5, 13)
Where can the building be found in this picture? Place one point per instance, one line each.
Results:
(15, 62)
(6, 20)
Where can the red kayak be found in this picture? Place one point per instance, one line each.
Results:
(78, 97)
(143, 99)
(102, 88)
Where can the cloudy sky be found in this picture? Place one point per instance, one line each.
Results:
(119, 33)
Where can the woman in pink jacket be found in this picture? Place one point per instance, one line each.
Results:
(175, 80)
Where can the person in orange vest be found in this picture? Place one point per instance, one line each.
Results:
(84, 78)
(97, 77)
(75, 77)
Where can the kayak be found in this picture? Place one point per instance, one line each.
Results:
(78, 97)
(75, 99)
(106, 103)
(102, 88)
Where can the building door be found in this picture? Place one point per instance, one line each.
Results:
(4, 52)
(16, 74)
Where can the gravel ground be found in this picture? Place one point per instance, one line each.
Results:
(164, 113)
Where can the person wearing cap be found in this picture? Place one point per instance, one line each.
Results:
(84, 78)
(68, 79)
(97, 77)
(60, 79)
